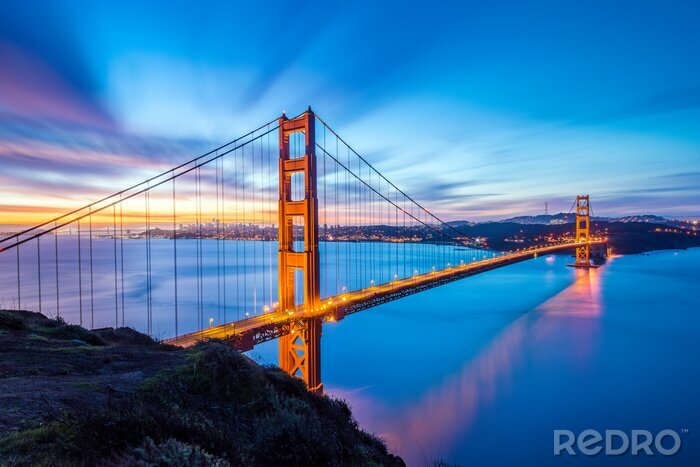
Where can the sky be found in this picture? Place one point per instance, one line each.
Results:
(479, 110)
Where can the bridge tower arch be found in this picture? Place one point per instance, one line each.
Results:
(300, 350)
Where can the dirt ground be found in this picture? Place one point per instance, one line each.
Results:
(43, 376)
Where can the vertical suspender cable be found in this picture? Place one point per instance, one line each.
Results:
(200, 309)
(245, 242)
(356, 212)
(218, 245)
(121, 251)
(347, 224)
(359, 251)
(19, 283)
(370, 221)
(236, 223)
(270, 210)
(55, 242)
(175, 258)
(224, 230)
(114, 242)
(234, 232)
(38, 263)
(337, 224)
(259, 238)
(398, 236)
(149, 301)
(324, 237)
(403, 235)
(80, 277)
(92, 286)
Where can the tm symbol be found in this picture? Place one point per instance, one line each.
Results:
(685, 431)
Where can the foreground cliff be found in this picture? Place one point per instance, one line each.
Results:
(71, 396)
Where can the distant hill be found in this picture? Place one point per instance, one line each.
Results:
(546, 219)
(647, 218)
(542, 219)
(562, 218)
(624, 237)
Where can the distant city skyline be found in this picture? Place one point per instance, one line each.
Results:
(474, 110)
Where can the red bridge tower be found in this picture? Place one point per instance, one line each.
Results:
(300, 350)
(583, 233)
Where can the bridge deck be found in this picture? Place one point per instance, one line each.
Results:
(250, 331)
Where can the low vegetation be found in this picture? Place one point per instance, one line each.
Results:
(76, 397)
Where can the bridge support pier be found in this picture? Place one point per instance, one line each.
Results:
(300, 350)
(599, 251)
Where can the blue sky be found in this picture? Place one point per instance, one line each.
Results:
(482, 110)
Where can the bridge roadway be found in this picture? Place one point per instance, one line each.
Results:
(246, 333)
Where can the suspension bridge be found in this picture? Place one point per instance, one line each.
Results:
(265, 237)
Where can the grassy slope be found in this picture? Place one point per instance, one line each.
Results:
(71, 396)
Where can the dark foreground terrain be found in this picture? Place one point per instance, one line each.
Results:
(69, 396)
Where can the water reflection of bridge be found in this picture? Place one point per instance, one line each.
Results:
(433, 426)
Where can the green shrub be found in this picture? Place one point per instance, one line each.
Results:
(171, 452)
(34, 446)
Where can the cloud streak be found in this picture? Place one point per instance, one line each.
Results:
(474, 111)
